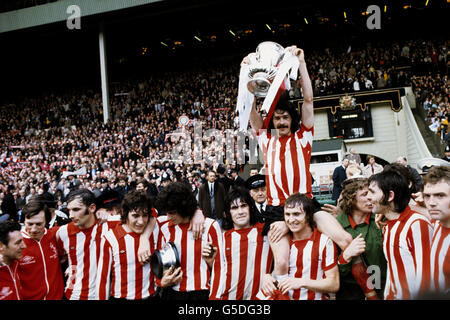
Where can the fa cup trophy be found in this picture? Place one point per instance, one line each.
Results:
(263, 67)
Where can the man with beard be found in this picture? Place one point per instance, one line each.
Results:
(406, 236)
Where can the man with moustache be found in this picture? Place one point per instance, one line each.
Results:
(366, 249)
(406, 236)
(436, 196)
(286, 147)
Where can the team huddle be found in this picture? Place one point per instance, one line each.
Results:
(383, 242)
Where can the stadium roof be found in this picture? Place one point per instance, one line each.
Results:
(184, 31)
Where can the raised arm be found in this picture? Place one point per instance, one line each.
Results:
(256, 120)
(305, 82)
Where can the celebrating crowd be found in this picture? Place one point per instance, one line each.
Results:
(92, 204)
(432, 93)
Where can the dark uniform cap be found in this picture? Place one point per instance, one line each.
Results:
(108, 199)
(256, 181)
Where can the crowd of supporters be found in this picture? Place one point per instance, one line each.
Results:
(432, 93)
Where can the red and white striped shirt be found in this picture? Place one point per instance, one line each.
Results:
(120, 274)
(82, 247)
(406, 246)
(248, 258)
(309, 259)
(287, 161)
(196, 274)
(440, 258)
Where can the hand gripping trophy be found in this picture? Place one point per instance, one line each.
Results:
(264, 74)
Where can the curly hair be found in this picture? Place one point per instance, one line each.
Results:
(136, 200)
(348, 195)
(177, 196)
(244, 196)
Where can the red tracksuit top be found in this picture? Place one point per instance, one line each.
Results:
(10, 288)
(39, 269)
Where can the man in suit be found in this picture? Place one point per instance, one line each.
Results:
(417, 178)
(372, 167)
(338, 177)
(237, 180)
(211, 197)
(223, 179)
(257, 186)
(9, 205)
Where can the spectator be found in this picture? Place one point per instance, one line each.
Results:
(224, 179)
(354, 157)
(416, 176)
(339, 176)
(372, 167)
(9, 204)
(237, 180)
(211, 198)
